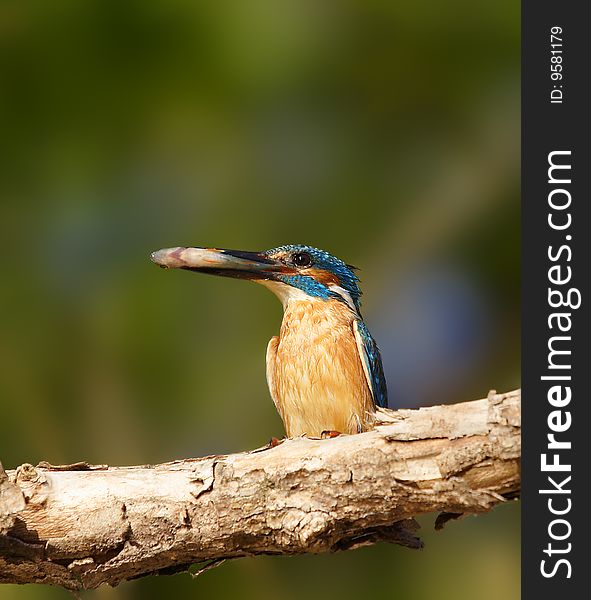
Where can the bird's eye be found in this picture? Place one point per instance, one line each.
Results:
(301, 259)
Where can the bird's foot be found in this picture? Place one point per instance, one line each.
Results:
(274, 442)
(329, 433)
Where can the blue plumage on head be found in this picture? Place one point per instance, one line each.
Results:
(320, 272)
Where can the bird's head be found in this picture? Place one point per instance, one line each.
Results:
(291, 272)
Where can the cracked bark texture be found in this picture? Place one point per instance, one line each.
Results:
(79, 526)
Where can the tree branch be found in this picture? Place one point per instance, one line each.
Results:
(79, 526)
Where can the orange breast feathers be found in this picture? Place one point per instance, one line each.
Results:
(314, 370)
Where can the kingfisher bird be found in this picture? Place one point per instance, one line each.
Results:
(324, 369)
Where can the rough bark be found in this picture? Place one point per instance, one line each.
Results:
(79, 526)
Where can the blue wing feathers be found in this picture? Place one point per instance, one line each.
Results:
(373, 361)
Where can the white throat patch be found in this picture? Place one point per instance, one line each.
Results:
(285, 292)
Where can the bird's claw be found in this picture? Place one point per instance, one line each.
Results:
(274, 442)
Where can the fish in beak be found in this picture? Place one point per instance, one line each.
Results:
(214, 261)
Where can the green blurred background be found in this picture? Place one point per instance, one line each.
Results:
(386, 132)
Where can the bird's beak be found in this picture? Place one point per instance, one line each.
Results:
(228, 263)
